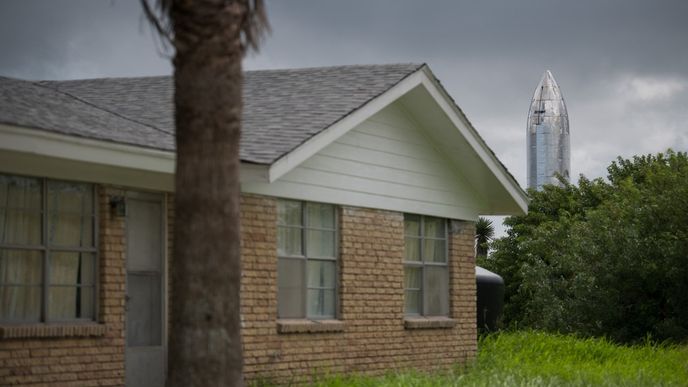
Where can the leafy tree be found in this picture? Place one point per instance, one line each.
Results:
(604, 257)
(210, 38)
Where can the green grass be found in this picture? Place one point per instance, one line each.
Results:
(540, 359)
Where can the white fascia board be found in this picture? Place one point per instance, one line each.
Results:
(465, 128)
(32, 141)
(89, 151)
(341, 127)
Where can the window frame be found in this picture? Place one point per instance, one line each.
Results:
(422, 264)
(46, 249)
(305, 258)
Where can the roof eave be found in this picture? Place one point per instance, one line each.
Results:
(121, 161)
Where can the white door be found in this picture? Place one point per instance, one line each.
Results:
(145, 333)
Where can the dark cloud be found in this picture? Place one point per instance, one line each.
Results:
(76, 39)
(622, 64)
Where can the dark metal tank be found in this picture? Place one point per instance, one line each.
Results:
(490, 299)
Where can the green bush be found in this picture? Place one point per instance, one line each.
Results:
(604, 258)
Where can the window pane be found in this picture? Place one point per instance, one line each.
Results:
(20, 303)
(144, 315)
(289, 213)
(412, 225)
(70, 210)
(412, 278)
(20, 227)
(436, 291)
(68, 197)
(320, 215)
(434, 250)
(320, 243)
(434, 227)
(411, 249)
(87, 303)
(321, 303)
(64, 268)
(70, 230)
(321, 274)
(144, 237)
(73, 302)
(289, 241)
(63, 302)
(20, 193)
(71, 268)
(21, 267)
(412, 301)
(88, 269)
(290, 287)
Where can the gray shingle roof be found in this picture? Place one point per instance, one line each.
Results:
(282, 108)
(29, 104)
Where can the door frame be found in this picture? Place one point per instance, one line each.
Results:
(160, 197)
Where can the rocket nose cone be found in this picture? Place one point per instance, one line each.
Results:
(547, 89)
(548, 80)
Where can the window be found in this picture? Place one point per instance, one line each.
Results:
(47, 250)
(426, 277)
(307, 263)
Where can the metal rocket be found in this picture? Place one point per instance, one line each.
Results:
(547, 135)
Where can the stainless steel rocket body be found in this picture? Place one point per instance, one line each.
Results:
(548, 142)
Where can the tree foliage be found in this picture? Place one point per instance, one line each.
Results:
(606, 257)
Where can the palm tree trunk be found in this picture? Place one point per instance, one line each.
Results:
(205, 344)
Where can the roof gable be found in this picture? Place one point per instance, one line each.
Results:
(289, 116)
(282, 108)
(430, 105)
(387, 162)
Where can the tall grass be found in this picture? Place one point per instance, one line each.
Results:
(540, 359)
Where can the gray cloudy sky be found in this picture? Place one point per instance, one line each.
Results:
(622, 65)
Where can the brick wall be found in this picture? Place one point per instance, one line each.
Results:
(373, 337)
(69, 355)
(370, 337)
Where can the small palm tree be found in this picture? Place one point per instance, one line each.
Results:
(484, 231)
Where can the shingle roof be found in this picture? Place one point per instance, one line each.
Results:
(282, 108)
(28, 104)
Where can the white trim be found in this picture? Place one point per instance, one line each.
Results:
(341, 127)
(469, 133)
(288, 190)
(20, 141)
(42, 166)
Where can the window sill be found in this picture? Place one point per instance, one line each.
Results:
(52, 330)
(429, 322)
(309, 326)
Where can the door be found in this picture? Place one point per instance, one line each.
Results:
(145, 295)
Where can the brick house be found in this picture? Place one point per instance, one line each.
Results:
(360, 189)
